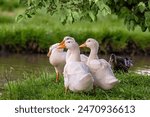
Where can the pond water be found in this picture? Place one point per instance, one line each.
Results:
(16, 65)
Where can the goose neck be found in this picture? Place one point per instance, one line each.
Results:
(74, 54)
(93, 53)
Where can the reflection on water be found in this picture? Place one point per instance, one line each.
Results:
(16, 65)
(141, 65)
(143, 71)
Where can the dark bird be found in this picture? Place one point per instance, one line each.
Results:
(120, 63)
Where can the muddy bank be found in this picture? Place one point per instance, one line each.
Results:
(31, 47)
(106, 48)
(130, 49)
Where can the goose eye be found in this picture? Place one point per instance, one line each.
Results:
(88, 40)
(68, 41)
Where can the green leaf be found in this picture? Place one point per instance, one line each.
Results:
(136, 18)
(143, 27)
(116, 1)
(19, 18)
(108, 9)
(147, 18)
(93, 17)
(141, 7)
(29, 2)
(23, 2)
(85, 16)
(63, 18)
(149, 4)
(125, 20)
(128, 24)
(100, 5)
(104, 9)
(70, 18)
(96, 1)
(124, 11)
(76, 1)
(104, 12)
(40, 5)
(29, 16)
(147, 14)
(132, 25)
(90, 1)
(76, 16)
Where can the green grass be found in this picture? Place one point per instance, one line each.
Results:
(44, 87)
(46, 30)
(9, 5)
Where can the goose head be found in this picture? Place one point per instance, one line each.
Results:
(74, 51)
(90, 43)
(54, 47)
(66, 38)
(69, 44)
(112, 59)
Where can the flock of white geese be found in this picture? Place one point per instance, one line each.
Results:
(81, 73)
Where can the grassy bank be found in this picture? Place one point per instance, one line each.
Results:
(38, 33)
(132, 86)
(9, 5)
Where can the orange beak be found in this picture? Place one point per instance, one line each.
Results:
(49, 54)
(83, 45)
(62, 45)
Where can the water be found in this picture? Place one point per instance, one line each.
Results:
(141, 65)
(16, 65)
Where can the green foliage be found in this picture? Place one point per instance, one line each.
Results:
(147, 19)
(141, 7)
(70, 11)
(149, 4)
(44, 87)
(19, 18)
(133, 12)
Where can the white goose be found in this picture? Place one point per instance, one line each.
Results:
(82, 56)
(57, 57)
(77, 76)
(100, 68)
